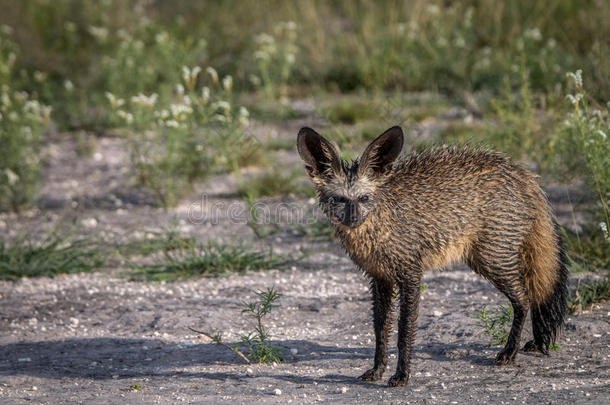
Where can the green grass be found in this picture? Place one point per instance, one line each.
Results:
(350, 111)
(54, 255)
(212, 259)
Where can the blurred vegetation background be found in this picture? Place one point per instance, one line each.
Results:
(183, 80)
(132, 46)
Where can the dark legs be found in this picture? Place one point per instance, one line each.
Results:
(520, 308)
(537, 344)
(383, 292)
(407, 327)
(504, 270)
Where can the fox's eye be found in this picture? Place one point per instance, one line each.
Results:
(337, 199)
(363, 198)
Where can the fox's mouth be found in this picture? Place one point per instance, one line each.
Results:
(350, 223)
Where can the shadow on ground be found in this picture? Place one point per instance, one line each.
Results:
(104, 358)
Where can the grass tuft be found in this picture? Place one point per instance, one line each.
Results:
(350, 112)
(54, 255)
(211, 260)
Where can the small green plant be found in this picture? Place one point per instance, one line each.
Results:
(85, 144)
(424, 287)
(212, 259)
(136, 387)
(257, 341)
(496, 324)
(54, 255)
(589, 294)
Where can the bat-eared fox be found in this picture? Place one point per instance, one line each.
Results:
(398, 215)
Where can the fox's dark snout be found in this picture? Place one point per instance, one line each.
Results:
(350, 215)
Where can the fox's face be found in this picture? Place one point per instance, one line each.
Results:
(349, 192)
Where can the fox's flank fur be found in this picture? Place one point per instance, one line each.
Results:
(399, 215)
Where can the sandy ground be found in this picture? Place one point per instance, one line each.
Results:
(98, 338)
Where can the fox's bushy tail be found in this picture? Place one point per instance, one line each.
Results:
(547, 283)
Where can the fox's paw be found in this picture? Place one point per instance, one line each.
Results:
(373, 374)
(398, 380)
(532, 347)
(506, 356)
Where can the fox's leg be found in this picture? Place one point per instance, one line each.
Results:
(520, 308)
(505, 271)
(407, 327)
(383, 292)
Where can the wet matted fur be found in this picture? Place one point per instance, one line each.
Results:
(399, 215)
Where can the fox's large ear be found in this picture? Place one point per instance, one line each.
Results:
(382, 152)
(321, 158)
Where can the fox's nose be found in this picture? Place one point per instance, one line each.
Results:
(351, 214)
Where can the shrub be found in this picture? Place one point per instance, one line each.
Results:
(23, 120)
(275, 57)
(582, 149)
(584, 145)
(186, 137)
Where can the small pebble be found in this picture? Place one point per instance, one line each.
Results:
(294, 350)
(343, 390)
(89, 222)
(277, 391)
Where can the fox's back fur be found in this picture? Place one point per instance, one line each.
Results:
(398, 215)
